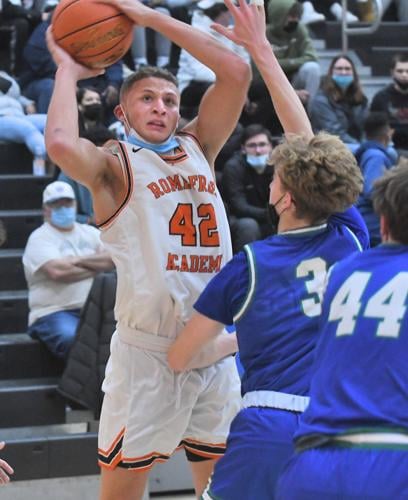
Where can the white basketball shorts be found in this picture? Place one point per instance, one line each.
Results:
(149, 411)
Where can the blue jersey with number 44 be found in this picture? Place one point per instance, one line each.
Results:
(361, 369)
(272, 293)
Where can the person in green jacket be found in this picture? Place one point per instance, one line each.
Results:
(293, 47)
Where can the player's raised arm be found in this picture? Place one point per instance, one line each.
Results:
(223, 102)
(77, 157)
(250, 31)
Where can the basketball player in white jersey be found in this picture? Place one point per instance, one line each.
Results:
(164, 224)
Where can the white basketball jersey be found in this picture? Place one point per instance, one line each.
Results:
(168, 239)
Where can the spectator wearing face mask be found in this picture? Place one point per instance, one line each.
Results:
(60, 261)
(90, 107)
(393, 100)
(246, 178)
(293, 47)
(340, 106)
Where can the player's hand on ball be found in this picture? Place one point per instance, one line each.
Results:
(5, 469)
(134, 9)
(61, 57)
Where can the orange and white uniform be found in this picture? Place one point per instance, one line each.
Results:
(168, 239)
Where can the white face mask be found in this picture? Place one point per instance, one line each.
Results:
(162, 147)
(258, 162)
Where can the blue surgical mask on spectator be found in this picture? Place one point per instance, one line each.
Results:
(63, 217)
(258, 162)
(343, 81)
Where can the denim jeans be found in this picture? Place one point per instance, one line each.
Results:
(27, 129)
(57, 331)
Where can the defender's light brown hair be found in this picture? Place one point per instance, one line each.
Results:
(390, 199)
(321, 175)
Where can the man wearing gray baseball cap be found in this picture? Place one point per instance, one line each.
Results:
(60, 261)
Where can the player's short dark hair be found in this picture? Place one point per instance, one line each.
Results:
(253, 130)
(390, 199)
(321, 175)
(376, 124)
(146, 72)
(401, 57)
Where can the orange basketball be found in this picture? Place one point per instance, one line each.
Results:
(94, 34)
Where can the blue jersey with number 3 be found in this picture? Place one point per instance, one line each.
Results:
(361, 368)
(274, 298)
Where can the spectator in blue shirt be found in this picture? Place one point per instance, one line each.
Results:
(374, 156)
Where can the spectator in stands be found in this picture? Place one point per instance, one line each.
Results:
(192, 76)
(293, 47)
(340, 106)
(60, 260)
(393, 100)
(22, 16)
(374, 157)
(90, 109)
(162, 45)
(246, 179)
(108, 86)
(98, 134)
(37, 75)
(5, 469)
(37, 78)
(19, 121)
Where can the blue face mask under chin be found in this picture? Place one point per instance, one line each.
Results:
(134, 138)
(63, 217)
(343, 81)
(163, 147)
(257, 162)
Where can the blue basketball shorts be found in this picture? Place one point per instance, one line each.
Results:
(345, 473)
(258, 446)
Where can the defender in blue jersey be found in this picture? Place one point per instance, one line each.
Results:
(353, 438)
(272, 290)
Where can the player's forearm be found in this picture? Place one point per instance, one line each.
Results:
(223, 345)
(62, 118)
(287, 104)
(194, 336)
(204, 47)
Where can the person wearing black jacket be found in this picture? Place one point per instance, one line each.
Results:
(22, 20)
(246, 179)
(393, 100)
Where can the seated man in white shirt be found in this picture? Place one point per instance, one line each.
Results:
(60, 261)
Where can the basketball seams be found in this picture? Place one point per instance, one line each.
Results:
(94, 35)
(58, 12)
(94, 23)
(84, 58)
